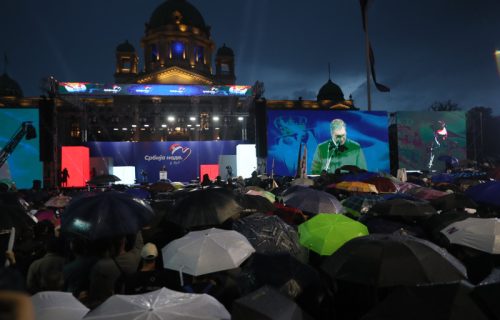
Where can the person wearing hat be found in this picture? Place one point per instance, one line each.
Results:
(149, 277)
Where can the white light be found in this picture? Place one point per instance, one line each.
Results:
(134, 126)
(98, 131)
(189, 125)
(124, 129)
(192, 128)
(240, 118)
(246, 159)
(171, 119)
(215, 118)
(142, 129)
(216, 128)
(146, 126)
(163, 125)
(197, 124)
(192, 118)
(115, 129)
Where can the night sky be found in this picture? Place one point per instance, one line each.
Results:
(426, 50)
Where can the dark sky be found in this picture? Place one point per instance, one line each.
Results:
(426, 50)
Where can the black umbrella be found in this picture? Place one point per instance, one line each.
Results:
(204, 207)
(106, 214)
(254, 203)
(103, 179)
(402, 208)
(314, 201)
(14, 216)
(433, 302)
(295, 188)
(270, 234)
(386, 225)
(392, 260)
(453, 201)
(438, 222)
(266, 303)
(486, 295)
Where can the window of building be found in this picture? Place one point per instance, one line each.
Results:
(155, 55)
(75, 130)
(126, 65)
(177, 50)
(198, 54)
(224, 68)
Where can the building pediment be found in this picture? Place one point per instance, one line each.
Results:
(174, 75)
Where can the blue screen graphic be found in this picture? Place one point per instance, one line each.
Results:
(289, 130)
(23, 165)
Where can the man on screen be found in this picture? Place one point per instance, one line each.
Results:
(337, 151)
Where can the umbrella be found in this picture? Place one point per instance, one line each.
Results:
(383, 184)
(314, 201)
(139, 193)
(262, 193)
(392, 260)
(453, 201)
(204, 207)
(434, 224)
(404, 187)
(293, 189)
(266, 303)
(207, 251)
(356, 186)
(255, 203)
(160, 304)
(361, 176)
(50, 305)
(103, 179)
(302, 182)
(270, 234)
(432, 302)
(387, 225)
(105, 214)
(161, 187)
(478, 233)
(360, 203)
(485, 193)
(325, 233)
(443, 177)
(15, 216)
(59, 201)
(402, 208)
(486, 295)
(424, 193)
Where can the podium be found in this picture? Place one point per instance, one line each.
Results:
(163, 175)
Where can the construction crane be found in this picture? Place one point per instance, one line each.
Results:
(26, 129)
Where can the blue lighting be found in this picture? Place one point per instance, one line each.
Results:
(177, 48)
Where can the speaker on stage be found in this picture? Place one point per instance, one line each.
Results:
(260, 128)
(46, 126)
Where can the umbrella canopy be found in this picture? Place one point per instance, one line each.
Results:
(432, 302)
(486, 295)
(356, 186)
(59, 201)
(160, 304)
(14, 216)
(387, 225)
(204, 207)
(103, 179)
(424, 193)
(255, 203)
(139, 193)
(404, 187)
(392, 260)
(207, 251)
(360, 203)
(105, 214)
(325, 233)
(161, 186)
(50, 305)
(485, 193)
(270, 234)
(383, 184)
(262, 193)
(302, 182)
(478, 233)
(266, 303)
(438, 222)
(402, 208)
(314, 201)
(453, 201)
(293, 189)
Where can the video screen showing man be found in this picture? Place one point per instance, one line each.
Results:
(337, 151)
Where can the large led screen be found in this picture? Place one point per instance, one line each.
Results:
(428, 140)
(23, 165)
(360, 138)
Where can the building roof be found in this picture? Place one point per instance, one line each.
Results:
(125, 47)
(330, 91)
(9, 87)
(225, 51)
(173, 12)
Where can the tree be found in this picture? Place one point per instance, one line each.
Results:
(444, 106)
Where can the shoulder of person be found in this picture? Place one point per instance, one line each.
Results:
(352, 143)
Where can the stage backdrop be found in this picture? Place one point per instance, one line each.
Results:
(288, 129)
(426, 140)
(23, 166)
(182, 159)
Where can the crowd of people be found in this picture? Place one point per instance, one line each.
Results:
(48, 257)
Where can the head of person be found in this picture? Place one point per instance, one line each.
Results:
(149, 252)
(338, 132)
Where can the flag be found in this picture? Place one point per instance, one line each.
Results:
(380, 87)
(303, 163)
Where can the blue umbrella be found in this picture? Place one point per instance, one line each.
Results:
(138, 193)
(105, 214)
(485, 193)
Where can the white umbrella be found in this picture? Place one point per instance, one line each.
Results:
(477, 233)
(59, 201)
(55, 305)
(302, 182)
(160, 304)
(207, 251)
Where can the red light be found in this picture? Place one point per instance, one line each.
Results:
(77, 161)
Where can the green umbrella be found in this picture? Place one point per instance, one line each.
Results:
(325, 233)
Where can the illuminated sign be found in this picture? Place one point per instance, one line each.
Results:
(86, 88)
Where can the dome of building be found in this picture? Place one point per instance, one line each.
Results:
(330, 91)
(225, 51)
(173, 12)
(125, 47)
(9, 87)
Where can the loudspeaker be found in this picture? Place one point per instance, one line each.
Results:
(261, 128)
(46, 128)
